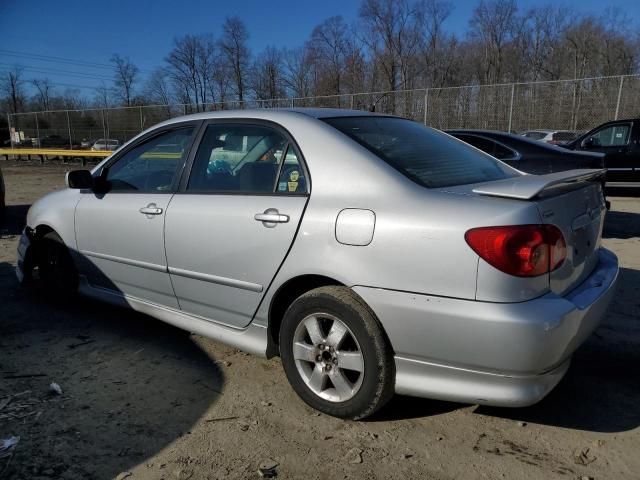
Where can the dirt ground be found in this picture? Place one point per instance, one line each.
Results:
(144, 400)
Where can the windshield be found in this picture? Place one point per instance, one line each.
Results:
(427, 156)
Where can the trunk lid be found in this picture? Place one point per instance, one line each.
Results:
(574, 202)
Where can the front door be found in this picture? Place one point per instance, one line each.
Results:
(230, 227)
(614, 140)
(120, 233)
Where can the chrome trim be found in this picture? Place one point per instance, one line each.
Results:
(126, 261)
(229, 282)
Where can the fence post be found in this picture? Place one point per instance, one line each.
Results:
(292, 103)
(141, 119)
(352, 101)
(619, 97)
(513, 91)
(9, 127)
(104, 130)
(426, 104)
(69, 129)
(37, 130)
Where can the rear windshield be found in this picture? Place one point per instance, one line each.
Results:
(427, 156)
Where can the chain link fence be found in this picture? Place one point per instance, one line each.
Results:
(576, 105)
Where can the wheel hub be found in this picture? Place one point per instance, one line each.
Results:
(328, 357)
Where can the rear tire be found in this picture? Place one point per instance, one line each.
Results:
(335, 353)
(57, 272)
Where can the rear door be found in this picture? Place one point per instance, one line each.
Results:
(231, 225)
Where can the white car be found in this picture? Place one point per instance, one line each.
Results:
(105, 144)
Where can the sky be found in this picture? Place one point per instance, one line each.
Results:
(89, 32)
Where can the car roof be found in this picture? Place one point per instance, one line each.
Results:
(276, 113)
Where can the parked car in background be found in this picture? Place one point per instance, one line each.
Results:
(54, 141)
(555, 137)
(86, 143)
(3, 205)
(372, 253)
(105, 144)
(527, 155)
(619, 141)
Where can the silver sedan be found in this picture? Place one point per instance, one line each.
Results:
(372, 254)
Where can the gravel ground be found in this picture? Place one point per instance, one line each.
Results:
(143, 400)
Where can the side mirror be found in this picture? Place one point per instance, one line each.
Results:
(591, 142)
(79, 179)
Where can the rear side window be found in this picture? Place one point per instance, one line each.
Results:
(427, 156)
(535, 135)
(494, 149)
(246, 159)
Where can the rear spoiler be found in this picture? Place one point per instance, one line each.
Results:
(526, 187)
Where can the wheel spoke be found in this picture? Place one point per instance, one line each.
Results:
(303, 351)
(317, 380)
(343, 387)
(337, 334)
(313, 329)
(350, 361)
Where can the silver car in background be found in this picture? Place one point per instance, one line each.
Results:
(372, 254)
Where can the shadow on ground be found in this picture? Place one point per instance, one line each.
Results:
(14, 221)
(621, 225)
(131, 385)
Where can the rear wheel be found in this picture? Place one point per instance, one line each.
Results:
(57, 273)
(335, 354)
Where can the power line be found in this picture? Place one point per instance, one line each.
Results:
(54, 59)
(62, 84)
(55, 71)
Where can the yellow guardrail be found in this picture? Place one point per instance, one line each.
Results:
(54, 152)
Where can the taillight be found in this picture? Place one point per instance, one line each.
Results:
(520, 250)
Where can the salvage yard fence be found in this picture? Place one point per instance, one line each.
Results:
(576, 105)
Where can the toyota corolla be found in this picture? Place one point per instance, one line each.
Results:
(371, 253)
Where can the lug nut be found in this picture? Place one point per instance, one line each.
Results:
(327, 368)
(319, 358)
(335, 361)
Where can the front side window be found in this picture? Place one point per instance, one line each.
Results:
(153, 165)
(427, 156)
(247, 159)
(612, 136)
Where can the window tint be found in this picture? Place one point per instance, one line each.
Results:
(612, 135)
(245, 158)
(535, 135)
(489, 146)
(429, 157)
(153, 165)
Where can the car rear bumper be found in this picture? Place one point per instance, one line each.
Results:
(507, 354)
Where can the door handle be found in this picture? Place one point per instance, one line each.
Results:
(271, 216)
(151, 209)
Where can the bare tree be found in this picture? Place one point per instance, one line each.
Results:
(267, 75)
(233, 46)
(329, 47)
(102, 98)
(492, 27)
(191, 65)
(298, 72)
(158, 89)
(391, 29)
(11, 84)
(436, 43)
(45, 89)
(125, 75)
